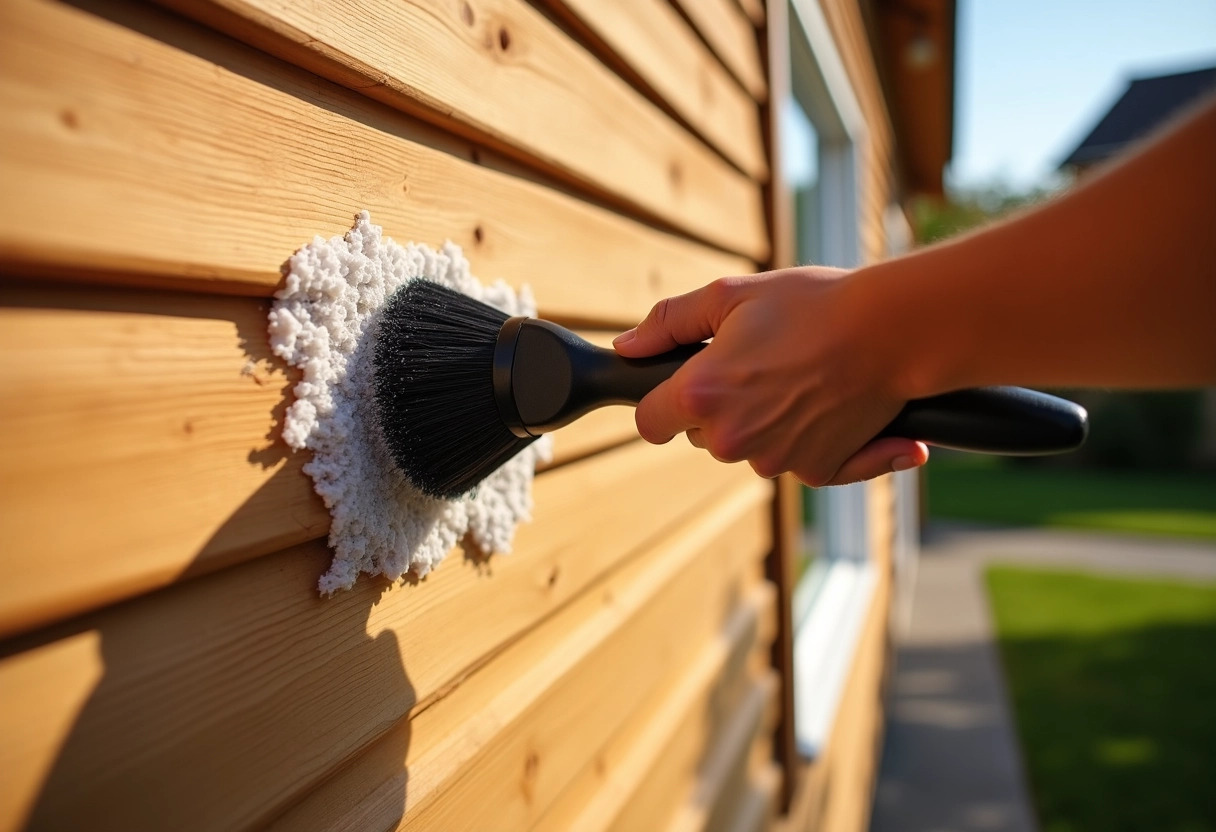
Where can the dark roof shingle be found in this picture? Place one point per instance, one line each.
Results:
(1147, 103)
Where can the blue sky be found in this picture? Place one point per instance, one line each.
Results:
(1033, 76)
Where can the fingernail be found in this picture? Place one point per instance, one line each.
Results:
(625, 337)
(902, 463)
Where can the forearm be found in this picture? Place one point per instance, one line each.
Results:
(1112, 284)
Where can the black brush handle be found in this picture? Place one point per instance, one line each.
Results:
(1011, 421)
(558, 377)
(611, 379)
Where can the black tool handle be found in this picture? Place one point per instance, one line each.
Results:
(1011, 421)
(617, 380)
(558, 377)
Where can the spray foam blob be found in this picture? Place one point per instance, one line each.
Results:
(323, 322)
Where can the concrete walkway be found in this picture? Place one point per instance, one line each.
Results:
(951, 761)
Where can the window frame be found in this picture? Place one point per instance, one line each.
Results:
(830, 602)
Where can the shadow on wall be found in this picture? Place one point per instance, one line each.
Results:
(225, 698)
(203, 721)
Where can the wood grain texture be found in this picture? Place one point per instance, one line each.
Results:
(496, 751)
(240, 691)
(728, 30)
(658, 47)
(172, 156)
(497, 71)
(696, 746)
(146, 426)
(707, 686)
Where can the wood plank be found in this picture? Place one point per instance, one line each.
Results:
(758, 809)
(787, 508)
(495, 752)
(727, 29)
(657, 45)
(253, 688)
(696, 744)
(711, 684)
(754, 9)
(470, 67)
(726, 786)
(147, 426)
(225, 161)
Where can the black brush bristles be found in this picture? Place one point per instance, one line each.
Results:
(433, 361)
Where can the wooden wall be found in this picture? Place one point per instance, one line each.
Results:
(166, 662)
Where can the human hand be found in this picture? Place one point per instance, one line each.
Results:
(791, 382)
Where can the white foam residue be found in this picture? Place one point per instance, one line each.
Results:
(322, 322)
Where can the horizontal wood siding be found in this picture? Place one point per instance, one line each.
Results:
(165, 660)
(504, 74)
(176, 157)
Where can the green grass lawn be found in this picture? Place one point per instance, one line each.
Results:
(991, 490)
(1113, 684)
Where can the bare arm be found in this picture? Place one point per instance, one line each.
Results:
(1112, 284)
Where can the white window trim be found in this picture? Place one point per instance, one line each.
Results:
(830, 603)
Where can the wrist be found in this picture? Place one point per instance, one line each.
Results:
(909, 331)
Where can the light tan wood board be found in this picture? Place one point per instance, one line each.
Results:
(695, 744)
(709, 686)
(754, 9)
(192, 677)
(728, 30)
(659, 47)
(498, 70)
(499, 749)
(175, 157)
(254, 690)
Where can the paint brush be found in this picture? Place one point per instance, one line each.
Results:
(461, 387)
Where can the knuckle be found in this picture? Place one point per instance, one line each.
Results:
(722, 289)
(646, 429)
(727, 446)
(695, 399)
(658, 314)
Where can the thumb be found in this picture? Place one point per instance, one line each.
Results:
(683, 319)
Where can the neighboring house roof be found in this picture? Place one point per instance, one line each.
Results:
(1145, 104)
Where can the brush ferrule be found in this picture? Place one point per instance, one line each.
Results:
(504, 390)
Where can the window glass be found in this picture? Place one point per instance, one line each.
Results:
(800, 169)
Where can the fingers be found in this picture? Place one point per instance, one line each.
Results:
(663, 413)
(683, 319)
(876, 459)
